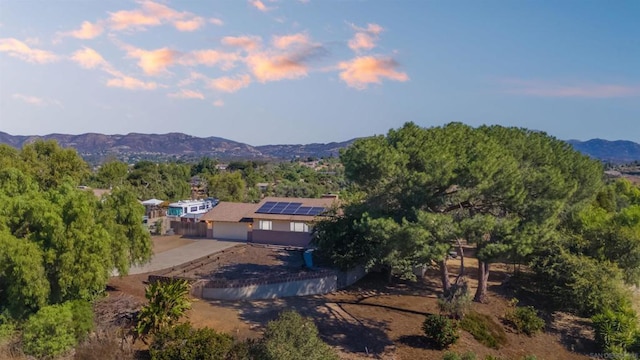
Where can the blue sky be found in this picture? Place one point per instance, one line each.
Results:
(289, 71)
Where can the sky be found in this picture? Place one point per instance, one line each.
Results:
(303, 71)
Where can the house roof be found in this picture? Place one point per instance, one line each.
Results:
(229, 212)
(152, 202)
(321, 202)
(235, 212)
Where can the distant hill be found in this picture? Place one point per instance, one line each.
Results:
(309, 150)
(134, 147)
(172, 146)
(619, 151)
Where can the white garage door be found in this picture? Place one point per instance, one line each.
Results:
(230, 231)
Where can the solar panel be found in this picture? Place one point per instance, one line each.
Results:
(291, 208)
(266, 207)
(303, 210)
(316, 211)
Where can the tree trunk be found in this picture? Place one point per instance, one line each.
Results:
(483, 278)
(444, 275)
(461, 254)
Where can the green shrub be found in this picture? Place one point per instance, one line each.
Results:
(524, 319)
(7, 328)
(293, 337)
(49, 332)
(456, 302)
(484, 329)
(453, 356)
(530, 357)
(440, 330)
(168, 302)
(249, 349)
(82, 313)
(615, 331)
(187, 343)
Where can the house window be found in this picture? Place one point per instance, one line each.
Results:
(265, 225)
(298, 227)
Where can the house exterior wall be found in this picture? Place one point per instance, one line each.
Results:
(284, 238)
(230, 230)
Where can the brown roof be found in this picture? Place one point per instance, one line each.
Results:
(322, 202)
(234, 212)
(229, 212)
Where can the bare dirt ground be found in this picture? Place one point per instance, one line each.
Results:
(376, 319)
(243, 261)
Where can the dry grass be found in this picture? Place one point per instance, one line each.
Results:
(106, 344)
(10, 349)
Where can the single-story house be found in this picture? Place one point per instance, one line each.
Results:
(274, 221)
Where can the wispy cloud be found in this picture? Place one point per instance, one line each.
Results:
(365, 38)
(20, 50)
(86, 31)
(89, 58)
(218, 103)
(193, 77)
(37, 101)
(229, 84)
(216, 21)
(563, 90)
(187, 94)
(131, 83)
(225, 60)
(247, 43)
(260, 5)
(285, 41)
(153, 14)
(272, 68)
(152, 62)
(362, 71)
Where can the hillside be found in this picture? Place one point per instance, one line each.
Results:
(134, 146)
(619, 151)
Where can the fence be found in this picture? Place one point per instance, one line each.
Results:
(198, 229)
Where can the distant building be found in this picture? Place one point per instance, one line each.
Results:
(191, 208)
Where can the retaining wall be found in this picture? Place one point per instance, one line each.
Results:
(306, 283)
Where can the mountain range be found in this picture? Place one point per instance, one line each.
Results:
(135, 146)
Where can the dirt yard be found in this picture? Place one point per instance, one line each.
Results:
(375, 319)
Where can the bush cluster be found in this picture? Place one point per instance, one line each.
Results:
(188, 343)
(440, 330)
(55, 329)
(484, 329)
(525, 319)
(615, 331)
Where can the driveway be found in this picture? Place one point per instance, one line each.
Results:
(181, 255)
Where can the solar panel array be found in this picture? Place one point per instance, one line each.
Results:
(289, 208)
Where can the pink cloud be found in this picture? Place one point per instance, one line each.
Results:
(259, 5)
(193, 77)
(218, 103)
(154, 14)
(365, 38)
(283, 42)
(272, 68)
(548, 89)
(152, 62)
(210, 58)
(87, 31)
(89, 58)
(37, 101)
(192, 24)
(20, 50)
(362, 71)
(187, 94)
(248, 43)
(128, 82)
(216, 21)
(229, 84)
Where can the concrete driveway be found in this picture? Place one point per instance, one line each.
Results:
(182, 254)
